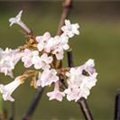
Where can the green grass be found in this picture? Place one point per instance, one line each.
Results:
(99, 40)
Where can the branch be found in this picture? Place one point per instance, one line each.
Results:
(33, 104)
(70, 58)
(81, 102)
(117, 106)
(66, 10)
(85, 109)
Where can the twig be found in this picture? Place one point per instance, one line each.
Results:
(70, 58)
(85, 109)
(33, 104)
(81, 102)
(117, 106)
(67, 4)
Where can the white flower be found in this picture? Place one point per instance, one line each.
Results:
(60, 45)
(17, 20)
(27, 58)
(47, 77)
(56, 94)
(80, 81)
(89, 66)
(30, 58)
(50, 45)
(72, 93)
(36, 61)
(64, 42)
(70, 29)
(42, 40)
(59, 53)
(8, 59)
(8, 89)
(42, 62)
(46, 60)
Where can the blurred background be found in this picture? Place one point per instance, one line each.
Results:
(99, 39)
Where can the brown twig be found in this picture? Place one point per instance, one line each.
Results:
(67, 4)
(85, 109)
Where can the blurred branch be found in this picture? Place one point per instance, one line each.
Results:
(117, 106)
(81, 102)
(33, 104)
(67, 4)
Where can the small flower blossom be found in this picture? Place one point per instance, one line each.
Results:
(8, 59)
(59, 53)
(72, 93)
(46, 60)
(80, 83)
(56, 94)
(64, 42)
(70, 29)
(42, 40)
(26, 58)
(47, 77)
(42, 62)
(17, 20)
(8, 89)
(60, 46)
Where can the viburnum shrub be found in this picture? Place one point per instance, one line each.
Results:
(45, 53)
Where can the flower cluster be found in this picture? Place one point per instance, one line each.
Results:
(44, 53)
(8, 59)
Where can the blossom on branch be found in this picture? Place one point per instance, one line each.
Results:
(70, 29)
(8, 59)
(42, 40)
(43, 54)
(56, 94)
(8, 89)
(17, 20)
(27, 57)
(47, 77)
(80, 81)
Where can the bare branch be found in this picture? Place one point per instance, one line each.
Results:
(117, 106)
(66, 10)
(85, 109)
(33, 105)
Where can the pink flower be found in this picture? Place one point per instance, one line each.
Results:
(59, 53)
(42, 62)
(8, 89)
(72, 93)
(8, 59)
(42, 40)
(27, 58)
(47, 77)
(80, 81)
(56, 94)
(46, 60)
